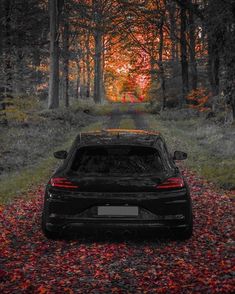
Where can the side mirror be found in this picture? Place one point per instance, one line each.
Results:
(179, 155)
(61, 154)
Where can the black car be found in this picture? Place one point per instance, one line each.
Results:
(118, 179)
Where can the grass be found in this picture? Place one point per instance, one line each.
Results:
(19, 183)
(103, 109)
(122, 107)
(127, 123)
(108, 107)
(210, 148)
(96, 109)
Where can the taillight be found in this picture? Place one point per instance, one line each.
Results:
(62, 183)
(171, 183)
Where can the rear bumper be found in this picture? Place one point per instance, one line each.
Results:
(111, 226)
(78, 212)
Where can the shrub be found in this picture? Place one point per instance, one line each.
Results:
(198, 98)
(179, 114)
(18, 108)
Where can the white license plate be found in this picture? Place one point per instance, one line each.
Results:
(118, 210)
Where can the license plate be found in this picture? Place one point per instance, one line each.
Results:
(118, 211)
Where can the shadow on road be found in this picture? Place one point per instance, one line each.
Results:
(136, 237)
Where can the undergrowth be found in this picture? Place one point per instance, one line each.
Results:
(22, 181)
(210, 147)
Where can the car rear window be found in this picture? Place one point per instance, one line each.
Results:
(117, 159)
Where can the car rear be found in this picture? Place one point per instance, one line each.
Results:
(122, 187)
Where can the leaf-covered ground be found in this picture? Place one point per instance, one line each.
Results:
(204, 264)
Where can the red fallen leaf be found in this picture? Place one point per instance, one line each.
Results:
(115, 290)
(42, 290)
(17, 275)
(204, 263)
(25, 285)
(116, 277)
(3, 274)
(68, 291)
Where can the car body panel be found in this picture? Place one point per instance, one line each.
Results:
(74, 209)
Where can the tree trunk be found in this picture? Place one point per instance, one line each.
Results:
(8, 50)
(98, 76)
(19, 81)
(78, 87)
(1, 28)
(83, 79)
(78, 83)
(19, 73)
(228, 56)
(53, 101)
(192, 49)
(161, 68)
(173, 30)
(183, 46)
(103, 92)
(65, 79)
(213, 65)
(36, 63)
(1, 45)
(88, 67)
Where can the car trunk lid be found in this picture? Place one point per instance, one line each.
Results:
(117, 183)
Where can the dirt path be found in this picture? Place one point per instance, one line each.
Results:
(29, 263)
(137, 116)
(115, 118)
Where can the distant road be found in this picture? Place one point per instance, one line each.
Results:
(137, 116)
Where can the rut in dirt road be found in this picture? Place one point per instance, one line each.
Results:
(137, 116)
(115, 119)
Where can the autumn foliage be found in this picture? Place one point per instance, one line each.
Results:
(198, 98)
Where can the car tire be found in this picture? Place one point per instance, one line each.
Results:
(49, 234)
(183, 234)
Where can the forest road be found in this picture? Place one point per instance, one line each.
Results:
(30, 263)
(136, 115)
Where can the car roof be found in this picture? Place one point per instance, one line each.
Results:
(118, 137)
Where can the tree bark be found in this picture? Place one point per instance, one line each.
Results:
(53, 101)
(65, 79)
(19, 72)
(8, 50)
(1, 45)
(98, 76)
(19, 83)
(183, 46)
(152, 70)
(161, 68)
(192, 49)
(173, 30)
(83, 78)
(213, 65)
(88, 67)
(78, 82)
